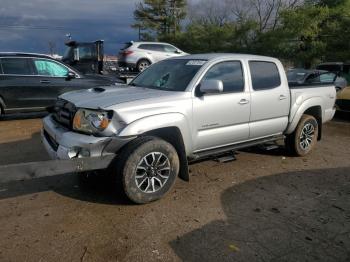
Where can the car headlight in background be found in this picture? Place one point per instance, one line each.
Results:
(91, 121)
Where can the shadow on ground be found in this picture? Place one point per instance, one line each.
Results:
(23, 151)
(341, 117)
(301, 216)
(97, 188)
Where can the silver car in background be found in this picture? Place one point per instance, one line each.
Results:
(140, 55)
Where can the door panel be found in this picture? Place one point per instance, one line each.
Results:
(270, 100)
(20, 87)
(22, 92)
(221, 119)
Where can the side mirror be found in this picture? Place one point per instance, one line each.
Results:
(211, 86)
(70, 75)
(178, 52)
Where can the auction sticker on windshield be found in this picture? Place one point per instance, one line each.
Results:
(196, 62)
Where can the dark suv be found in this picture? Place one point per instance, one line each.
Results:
(32, 82)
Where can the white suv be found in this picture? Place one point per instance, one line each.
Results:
(140, 55)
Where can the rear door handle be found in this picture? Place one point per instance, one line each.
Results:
(45, 81)
(243, 102)
(283, 97)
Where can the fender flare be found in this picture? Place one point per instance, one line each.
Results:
(154, 122)
(311, 102)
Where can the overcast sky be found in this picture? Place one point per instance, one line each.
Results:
(28, 25)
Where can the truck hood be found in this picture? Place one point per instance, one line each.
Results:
(104, 97)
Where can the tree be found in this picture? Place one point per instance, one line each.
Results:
(158, 18)
(314, 32)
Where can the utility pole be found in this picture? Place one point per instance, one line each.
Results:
(52, 47)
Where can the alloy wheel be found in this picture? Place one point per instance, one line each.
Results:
(307, 136)
(152, 172)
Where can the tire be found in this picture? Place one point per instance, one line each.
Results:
(148, 167)
(303, 140)
(142, 65)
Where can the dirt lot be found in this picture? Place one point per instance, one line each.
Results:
(263, 207)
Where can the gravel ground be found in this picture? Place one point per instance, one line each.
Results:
(263, 207)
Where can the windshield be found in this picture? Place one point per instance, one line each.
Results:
(296, 75)
(170, 75)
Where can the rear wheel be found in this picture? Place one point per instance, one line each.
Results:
(303, 140)
(148, 168)
(142, 65)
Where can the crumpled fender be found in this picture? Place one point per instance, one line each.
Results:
(154, 122)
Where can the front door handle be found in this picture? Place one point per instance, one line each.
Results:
(243, 102)
(45, 81)
(283, 97)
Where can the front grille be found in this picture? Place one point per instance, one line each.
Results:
(63, 113)
(343, 104)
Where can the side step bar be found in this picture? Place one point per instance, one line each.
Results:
(235, 147)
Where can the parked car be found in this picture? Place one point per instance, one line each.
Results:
(343, 100)
(340, 68)
(140, 55)
(185, 109)
(301, 76)
(343, 96)
(32, 82)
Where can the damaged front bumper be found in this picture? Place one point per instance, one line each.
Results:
(63, 144)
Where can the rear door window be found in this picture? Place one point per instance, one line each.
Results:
(265, 75)
(147, 47)
(16, 66)
(152, 47)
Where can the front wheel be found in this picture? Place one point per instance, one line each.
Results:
(148, 168)
(303, 140)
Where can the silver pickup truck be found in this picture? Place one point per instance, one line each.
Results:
(184, 109)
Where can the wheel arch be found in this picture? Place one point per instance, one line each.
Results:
(172, 127)
(316, 112)
(144, 58)
(173, 136)
(311, 107)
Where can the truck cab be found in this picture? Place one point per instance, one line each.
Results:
(86, 57)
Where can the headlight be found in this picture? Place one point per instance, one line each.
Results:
(91, 121)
